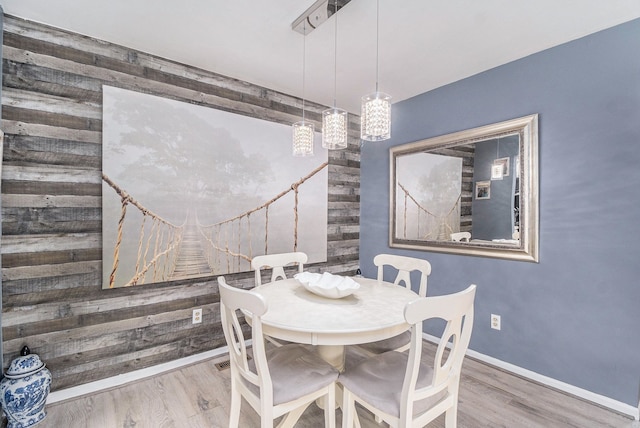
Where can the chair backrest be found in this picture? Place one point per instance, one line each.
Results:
(277, 262)
(461, 236)
(457, 311)
(231, 301)
(404, 265)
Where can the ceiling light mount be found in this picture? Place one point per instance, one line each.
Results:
(315, 15)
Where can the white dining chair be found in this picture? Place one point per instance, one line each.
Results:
(398, 387)
(404, 266)
(277, 262)
(461, 236)
(282, 381)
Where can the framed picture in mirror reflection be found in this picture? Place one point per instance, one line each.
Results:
(504, 162)
(483, 190)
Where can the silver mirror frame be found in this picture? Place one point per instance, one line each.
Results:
(527, 250)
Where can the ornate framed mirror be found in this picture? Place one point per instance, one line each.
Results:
(473, 192)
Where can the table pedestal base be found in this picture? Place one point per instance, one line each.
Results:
(333, 354)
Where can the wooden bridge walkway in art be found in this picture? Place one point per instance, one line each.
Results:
(168, 252)
(190, 261)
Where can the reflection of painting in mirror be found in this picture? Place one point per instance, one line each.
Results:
(204, 191)
(491, 176)
(429, 196)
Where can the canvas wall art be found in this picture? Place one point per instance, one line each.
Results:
(190, 191)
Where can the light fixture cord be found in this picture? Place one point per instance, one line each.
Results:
(377, 41)
(335, 56)
(304, 57)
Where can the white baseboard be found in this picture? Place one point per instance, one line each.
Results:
(114, 381)
(601, 400)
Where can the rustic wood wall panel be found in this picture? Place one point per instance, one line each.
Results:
(51, 206)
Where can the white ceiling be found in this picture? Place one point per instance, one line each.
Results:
(424, 44)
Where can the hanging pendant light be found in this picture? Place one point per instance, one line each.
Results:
(303, 131)
(334, 120)
(375, 114)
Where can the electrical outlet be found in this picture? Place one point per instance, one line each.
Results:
(196, 318)
(495, 322)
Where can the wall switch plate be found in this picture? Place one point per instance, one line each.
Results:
(196, 318)
(495, 322)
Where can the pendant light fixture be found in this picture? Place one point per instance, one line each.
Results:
(375, 114)
(303, 131)
(334, 120)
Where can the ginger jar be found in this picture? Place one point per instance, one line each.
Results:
(24, 390)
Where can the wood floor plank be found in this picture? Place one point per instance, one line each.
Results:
(549, 404)
(197, 396)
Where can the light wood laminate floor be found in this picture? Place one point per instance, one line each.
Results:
(197, 396)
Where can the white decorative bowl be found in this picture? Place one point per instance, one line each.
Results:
(327, 285)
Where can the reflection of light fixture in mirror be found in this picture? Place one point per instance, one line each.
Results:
(334, 120)
(375, 117)
(496, 171)
(303, 131)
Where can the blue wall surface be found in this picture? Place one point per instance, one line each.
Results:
(575, 315)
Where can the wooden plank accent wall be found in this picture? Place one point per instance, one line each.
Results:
(51, 206)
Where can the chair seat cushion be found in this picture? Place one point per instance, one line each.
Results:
(295, 372)
(378, 380)
(389, 344)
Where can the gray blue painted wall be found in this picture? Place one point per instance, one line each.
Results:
(575, 316)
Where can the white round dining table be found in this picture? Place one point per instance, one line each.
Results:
(373, 312)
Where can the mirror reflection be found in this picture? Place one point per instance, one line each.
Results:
(462, 192)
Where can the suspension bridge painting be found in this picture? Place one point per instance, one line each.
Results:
(428, 191)
(190, 191)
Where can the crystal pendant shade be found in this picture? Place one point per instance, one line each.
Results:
(375, 117)
(303, 133)
(334, 128)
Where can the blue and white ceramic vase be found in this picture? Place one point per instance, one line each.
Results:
(24, 390)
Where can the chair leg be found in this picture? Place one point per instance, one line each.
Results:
(330, 407)
(289, 420)
(348, 409)
(451, 417)
(273, 341)
(356, 418)
(234, 411)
